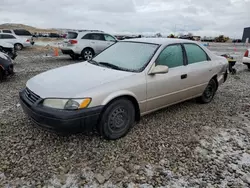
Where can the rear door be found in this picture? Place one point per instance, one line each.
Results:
(8, 38)
(97, 42)
(199, 68)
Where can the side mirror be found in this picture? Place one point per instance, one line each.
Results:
(159, 69)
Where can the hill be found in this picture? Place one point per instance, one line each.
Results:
(27, 27)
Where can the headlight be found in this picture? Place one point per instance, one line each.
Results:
(68, 104)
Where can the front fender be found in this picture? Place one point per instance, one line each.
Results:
(118, 94)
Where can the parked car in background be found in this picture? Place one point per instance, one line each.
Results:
(54, 35)
(246, 58)
(20, 33)
(8, 49)
(6, 66)
(18, 42)
(127, 80)
(86, 43)
(236, 41)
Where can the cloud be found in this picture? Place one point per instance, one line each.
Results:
(209, 18)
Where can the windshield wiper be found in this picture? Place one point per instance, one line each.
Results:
(93, 62)
(111, 65)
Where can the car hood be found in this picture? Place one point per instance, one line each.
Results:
(73, 80)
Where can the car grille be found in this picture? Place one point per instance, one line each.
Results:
(30, 96)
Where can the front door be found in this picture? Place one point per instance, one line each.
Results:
(109, 40)
(169, 88)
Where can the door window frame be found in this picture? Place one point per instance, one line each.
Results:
(208, 58)
(183, 54)
(109, 36)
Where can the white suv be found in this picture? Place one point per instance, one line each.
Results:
(86, 43)
(20, 38)
(18, 42)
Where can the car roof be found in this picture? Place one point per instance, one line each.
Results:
(160, 41)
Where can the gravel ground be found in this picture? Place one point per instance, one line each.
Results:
(186, 145)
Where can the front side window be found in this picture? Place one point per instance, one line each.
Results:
(129, 56)
(171, 56)
(195, 54)
(109, 38)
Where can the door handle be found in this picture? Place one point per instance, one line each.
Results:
(184, 76)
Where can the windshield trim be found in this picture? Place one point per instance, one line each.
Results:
(150, 58)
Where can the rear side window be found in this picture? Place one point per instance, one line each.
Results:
(72, 35)
(171, 56)
(6, 31)
(3, 36)
(195, 54)
(22, 32)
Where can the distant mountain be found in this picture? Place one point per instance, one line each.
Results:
(27, 27)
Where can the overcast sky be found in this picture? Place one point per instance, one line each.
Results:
(201, 17)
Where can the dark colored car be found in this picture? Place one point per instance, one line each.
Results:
(54, 35)
(6, 66)
(11, 52)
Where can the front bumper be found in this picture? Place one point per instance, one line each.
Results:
(62, 121)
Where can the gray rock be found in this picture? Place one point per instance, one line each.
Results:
(120, 170)
(100, 178)
(246, 179)
(107, 174)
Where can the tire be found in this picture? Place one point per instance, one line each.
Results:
(18, 46)
(87, 54)
(117, 119)
(209, 92)
(1, 74)
(248, 66)
(74, 56)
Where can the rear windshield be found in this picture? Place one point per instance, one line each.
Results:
(22, 32)
(72, 35)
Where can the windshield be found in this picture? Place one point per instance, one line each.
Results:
(129, 56)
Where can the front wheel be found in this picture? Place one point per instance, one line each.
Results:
(117, 119)
(209, 92)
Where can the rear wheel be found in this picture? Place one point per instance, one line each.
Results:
(117, 119)
(18, 46)
(87, 54)
(248, 66)
(209, 92)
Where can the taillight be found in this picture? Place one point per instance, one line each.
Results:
(27, 40)
(73, 41)
(246, 54)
